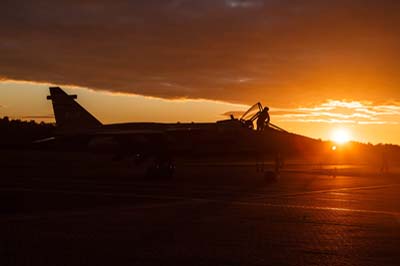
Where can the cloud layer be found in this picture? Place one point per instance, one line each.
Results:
(342, 112)
(280, 52)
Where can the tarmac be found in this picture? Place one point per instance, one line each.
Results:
(82, 209)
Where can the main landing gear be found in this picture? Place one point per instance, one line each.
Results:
(161, 168)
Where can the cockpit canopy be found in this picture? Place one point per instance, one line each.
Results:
(251, 115)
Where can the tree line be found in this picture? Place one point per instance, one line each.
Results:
(19, 133)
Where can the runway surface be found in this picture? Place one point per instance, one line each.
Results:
(78, 209)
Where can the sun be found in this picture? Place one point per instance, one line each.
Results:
(340, 135)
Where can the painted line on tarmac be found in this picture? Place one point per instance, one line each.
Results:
(96, 193)
(244, 203)
(88, 212)
(135, 185)
(257, 197)
(294, 206)
(284, 195)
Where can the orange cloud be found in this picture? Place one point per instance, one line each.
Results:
(335, 111)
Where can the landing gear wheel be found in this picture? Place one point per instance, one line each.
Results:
(161, 169)
(271, 176)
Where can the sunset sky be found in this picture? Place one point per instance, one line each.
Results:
(319, 65)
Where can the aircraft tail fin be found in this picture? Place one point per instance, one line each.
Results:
(69, 114)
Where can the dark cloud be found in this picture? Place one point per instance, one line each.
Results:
(280, 52)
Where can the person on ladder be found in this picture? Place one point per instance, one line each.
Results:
(263, 119)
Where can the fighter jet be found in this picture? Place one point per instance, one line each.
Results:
(76, 127)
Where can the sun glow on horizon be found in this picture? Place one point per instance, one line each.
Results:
(340, 135)
(361, 121)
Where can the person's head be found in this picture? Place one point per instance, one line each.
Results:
(266, 109)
